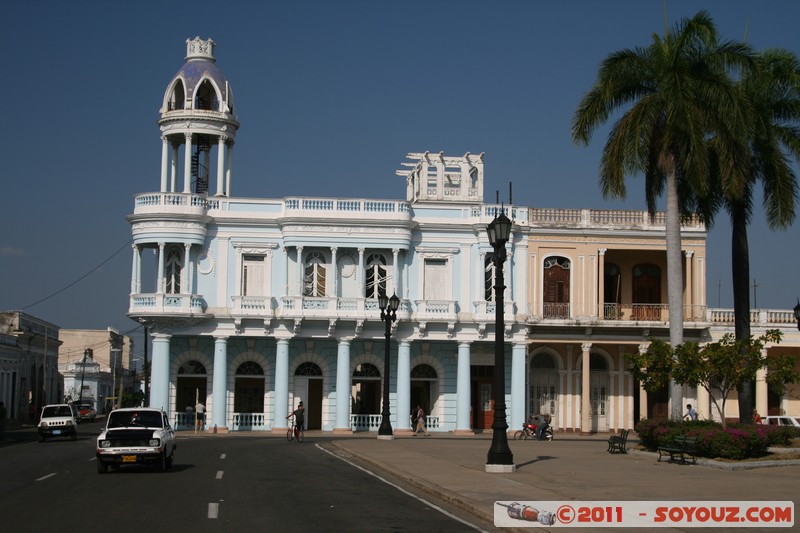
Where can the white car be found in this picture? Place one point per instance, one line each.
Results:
(136, 436)
(781, 421)
(58, 420)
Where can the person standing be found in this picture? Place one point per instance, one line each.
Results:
(200, 409)
(420, 422)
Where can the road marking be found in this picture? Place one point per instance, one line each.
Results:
(219, 474)
(222, 456)
(404, 491)
(47, 476)
(213, 510)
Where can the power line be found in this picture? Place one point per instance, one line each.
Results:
(80, 278)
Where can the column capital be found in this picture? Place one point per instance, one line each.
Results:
(688, 253)
(586, 346)
(602, 251)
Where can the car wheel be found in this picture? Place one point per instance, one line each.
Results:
(102, 468)
(170, 459)
(162, 465)
(42, 438)
(74, 435)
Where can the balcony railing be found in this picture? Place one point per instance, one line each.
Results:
(160, 303)
(252, 306)
(371, 422)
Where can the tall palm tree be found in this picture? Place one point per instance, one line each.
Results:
(773, 139)
(676, 91)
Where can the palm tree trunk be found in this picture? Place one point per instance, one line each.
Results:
(740, 271)
(674, 281)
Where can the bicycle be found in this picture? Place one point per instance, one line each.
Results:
(295, 432)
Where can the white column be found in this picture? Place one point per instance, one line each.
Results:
(299, 275)
(509, 274)
(360, 273)
(533, 307)
(704, 409)
(335, 273)
(160, 274)
(164, 162)
(403, 385)
(621, 390)
(570, 399)
(463, 389)
(689, 296)
(229, 170)
(586, 418)
(601, 283)
(762, 402)
(187, 164)
(281, 385)
(135, 269)
(159, 372)
(173, 170)
(219, 409)
(343, 388)
(221, 166)
(187, 269)
(396, 270)
(517, 417)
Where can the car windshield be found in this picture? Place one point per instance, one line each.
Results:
(56, 410)
(135, 418)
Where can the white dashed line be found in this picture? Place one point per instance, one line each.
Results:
(45, 477)
(219, 474)
(213, 510)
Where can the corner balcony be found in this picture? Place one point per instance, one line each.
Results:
(160, 304)
(173, 203)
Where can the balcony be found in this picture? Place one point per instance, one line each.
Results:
(252, 306)
(167, 304)
(173, 203)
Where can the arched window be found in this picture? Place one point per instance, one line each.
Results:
(192, 367)
(178, 97)
(206, 97)
(366, 370)
(556, 287)
(315, 273)
(249, 368)
(375, 275)
(172, 267)
(308, 369)
(423, 372)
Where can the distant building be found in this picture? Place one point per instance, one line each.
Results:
(255, 304)
(109, 365)
(29, 377)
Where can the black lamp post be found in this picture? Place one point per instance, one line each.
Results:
(500, 458)
(797, 313)
(388, 315)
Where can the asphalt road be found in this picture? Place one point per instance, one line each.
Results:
(253, 483)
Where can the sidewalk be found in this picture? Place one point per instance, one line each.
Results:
(568, 468)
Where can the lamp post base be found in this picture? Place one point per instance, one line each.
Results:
(500, 469)
(385, 437)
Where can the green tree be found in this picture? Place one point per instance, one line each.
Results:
(772, 92)
(677, 92)
(718, 367)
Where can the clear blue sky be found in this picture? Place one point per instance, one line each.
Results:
(331, 96)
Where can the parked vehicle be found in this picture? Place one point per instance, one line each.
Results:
(136, 436)
(781, 421)
(58, 420)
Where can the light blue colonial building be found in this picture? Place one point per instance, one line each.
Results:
(256, 304)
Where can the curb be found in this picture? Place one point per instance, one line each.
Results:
(722, 465)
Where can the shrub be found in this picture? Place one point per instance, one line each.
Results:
(713, 441)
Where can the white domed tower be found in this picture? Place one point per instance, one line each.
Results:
(197, 116)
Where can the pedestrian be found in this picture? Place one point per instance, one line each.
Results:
(201, 415)
(189, 414)
(420, 422)
(691, 413)
(2, 421)
(757, 417)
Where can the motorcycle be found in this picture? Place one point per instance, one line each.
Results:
(528, 431)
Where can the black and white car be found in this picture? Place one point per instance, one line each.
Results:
(136, 436)
(58, 420)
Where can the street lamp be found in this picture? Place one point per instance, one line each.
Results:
(499, 458)
(388, 315)
(797, 313)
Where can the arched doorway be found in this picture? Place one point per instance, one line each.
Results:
(190, 385)
(308, 387)
(424, 388)
(544, 386)
(556, 287)
(366, 390)
(248, 394)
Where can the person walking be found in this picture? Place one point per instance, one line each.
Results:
(420, 422)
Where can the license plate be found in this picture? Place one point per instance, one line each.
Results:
(56, 432)
(128, 458)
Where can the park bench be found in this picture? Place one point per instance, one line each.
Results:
(679, 447)
(616, 443)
